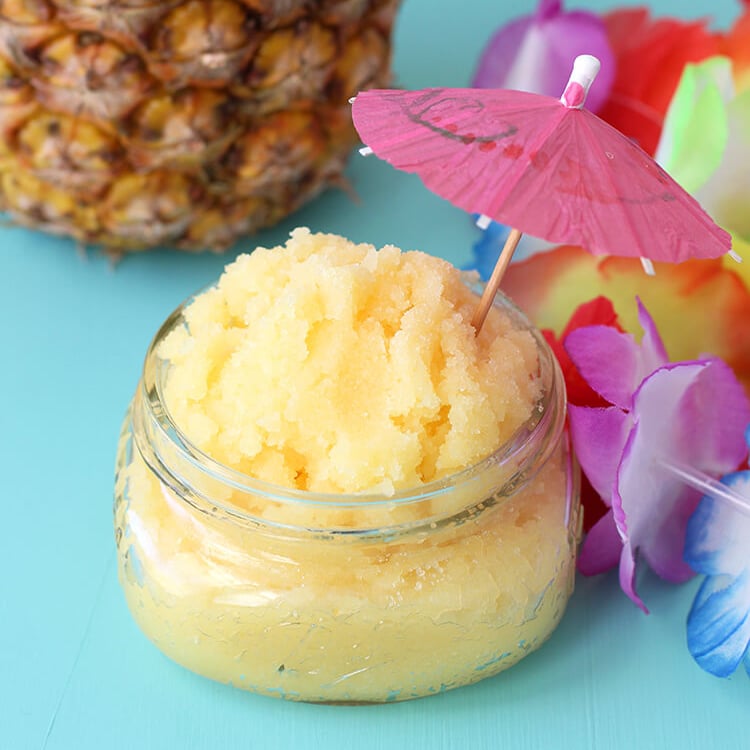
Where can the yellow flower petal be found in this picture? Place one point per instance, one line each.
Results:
(700, 307)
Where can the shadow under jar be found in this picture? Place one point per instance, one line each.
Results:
(346, 598)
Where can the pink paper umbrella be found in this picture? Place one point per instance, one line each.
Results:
(545, 166)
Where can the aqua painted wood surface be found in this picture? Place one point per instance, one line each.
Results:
(75, 672)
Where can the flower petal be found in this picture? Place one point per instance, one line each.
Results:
(718, 544)
(718, 625)
(717, 409)
(607, 360)
(686, 413)
(599, 437)
(665, 555)
(578, 391)
(653, 353)
(627, 576)
(536, 52)
(696, 130)
(598, 311)
(718, 536)
(601, 548)
(724, 194)
(650, 57)
(486, 249)
(611, 362)
(496, 61)
(736, 45)
(698, 306)
(705, 143)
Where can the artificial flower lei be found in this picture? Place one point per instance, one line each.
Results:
(659, 414)
(634, 416)
(681, 90)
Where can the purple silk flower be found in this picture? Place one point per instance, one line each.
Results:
(535, 53)
(681, 414)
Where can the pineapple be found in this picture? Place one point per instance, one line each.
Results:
(188, 123)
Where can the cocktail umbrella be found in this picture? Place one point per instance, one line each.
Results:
(545, 166)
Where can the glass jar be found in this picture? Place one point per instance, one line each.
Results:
(337, 598)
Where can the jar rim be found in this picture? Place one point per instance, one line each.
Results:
(545, 418)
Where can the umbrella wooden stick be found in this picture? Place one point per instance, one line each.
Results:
(493, 284)
(585, 69)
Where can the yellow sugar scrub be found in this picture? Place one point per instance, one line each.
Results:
(330, 488)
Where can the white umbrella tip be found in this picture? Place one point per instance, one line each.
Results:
(585, 68)
(483, 221)
(648, 267)
(587, 65)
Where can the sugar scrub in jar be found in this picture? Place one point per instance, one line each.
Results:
(329, 488)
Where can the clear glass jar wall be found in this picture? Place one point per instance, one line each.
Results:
(337, 598)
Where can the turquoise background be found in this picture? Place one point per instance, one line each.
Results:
(76, 673)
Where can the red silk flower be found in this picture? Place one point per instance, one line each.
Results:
(598, 311)
(650, 57)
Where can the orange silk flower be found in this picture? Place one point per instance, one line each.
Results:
(700, 307)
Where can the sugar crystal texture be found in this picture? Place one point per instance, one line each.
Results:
(334, 367)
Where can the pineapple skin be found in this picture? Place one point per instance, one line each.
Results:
(131, 124)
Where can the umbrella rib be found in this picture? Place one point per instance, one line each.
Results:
(625, 214)
(470, 195)
(511, 243)
(533, 147)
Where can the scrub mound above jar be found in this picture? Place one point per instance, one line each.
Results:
(329, 488)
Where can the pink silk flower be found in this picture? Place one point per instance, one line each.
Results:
(685, 413)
